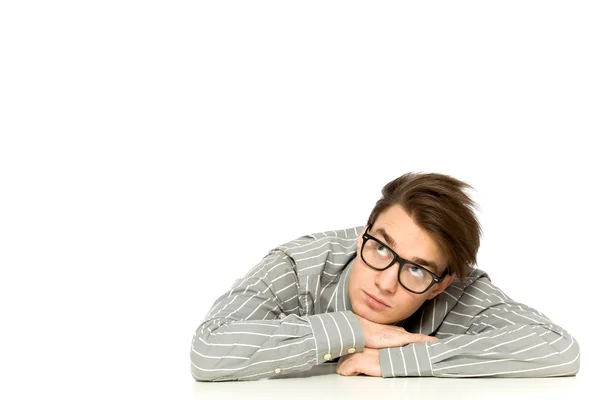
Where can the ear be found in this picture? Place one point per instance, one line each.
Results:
(361, 234)
(364, 228)
(441, 286)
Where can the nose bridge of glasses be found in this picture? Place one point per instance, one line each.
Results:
(393, 270)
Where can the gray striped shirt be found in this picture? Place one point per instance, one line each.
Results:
(292, 312)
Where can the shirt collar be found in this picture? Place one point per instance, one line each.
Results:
(341, 300)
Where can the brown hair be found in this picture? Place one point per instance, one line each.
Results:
(437, 204)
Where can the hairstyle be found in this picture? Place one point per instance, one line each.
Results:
(438, 205)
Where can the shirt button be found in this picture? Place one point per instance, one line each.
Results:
(327, 356)
(351, 350)
(278, 370)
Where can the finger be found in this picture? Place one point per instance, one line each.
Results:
(423, 338)
(343, 370)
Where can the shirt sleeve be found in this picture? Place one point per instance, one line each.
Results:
(251, 332)
(501, 338)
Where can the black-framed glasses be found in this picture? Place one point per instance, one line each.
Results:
(412, 277)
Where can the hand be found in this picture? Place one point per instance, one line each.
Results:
(380, 336)
(366, 362)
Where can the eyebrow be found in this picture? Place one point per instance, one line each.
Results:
(390, 240)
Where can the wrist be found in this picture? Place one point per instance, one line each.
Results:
(366, 326)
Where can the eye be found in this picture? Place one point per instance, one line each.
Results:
(382, 250)
(415, 271)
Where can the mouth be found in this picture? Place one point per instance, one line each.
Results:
(377, 300)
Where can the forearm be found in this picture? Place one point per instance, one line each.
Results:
(255, 349)
(251, 349)
(516, 350)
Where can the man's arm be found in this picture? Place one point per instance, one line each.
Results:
(501, 338)
(252, 333)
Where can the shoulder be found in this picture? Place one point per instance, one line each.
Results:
(476, 290)
(320, 249)
(315, 240)
(458, 287)
(475, 275)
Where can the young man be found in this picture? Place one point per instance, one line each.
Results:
(397, 297)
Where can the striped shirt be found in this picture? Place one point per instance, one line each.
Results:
(292, 312)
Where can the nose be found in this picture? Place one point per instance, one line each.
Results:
(387, 280)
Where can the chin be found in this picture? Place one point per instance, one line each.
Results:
(373, 316)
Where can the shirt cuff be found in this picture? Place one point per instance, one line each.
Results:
(410, 360)
(336, 334)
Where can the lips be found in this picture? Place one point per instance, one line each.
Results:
(378, 299)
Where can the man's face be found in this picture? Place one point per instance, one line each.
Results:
(411, 241)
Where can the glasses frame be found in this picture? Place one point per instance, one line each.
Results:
(401, 262)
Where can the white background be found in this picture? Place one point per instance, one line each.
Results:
(152, 152)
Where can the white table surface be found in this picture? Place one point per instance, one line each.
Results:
(323, 382)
